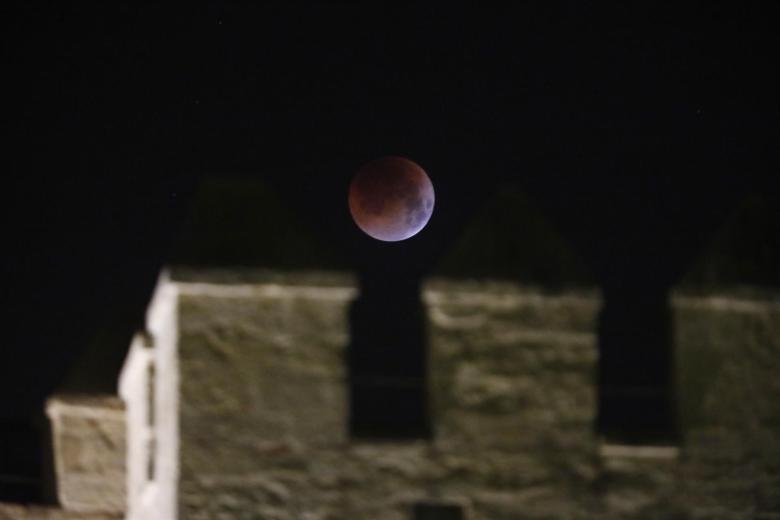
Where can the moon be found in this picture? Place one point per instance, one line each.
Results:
(391, 198)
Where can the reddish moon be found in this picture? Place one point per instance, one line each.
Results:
(391, 198)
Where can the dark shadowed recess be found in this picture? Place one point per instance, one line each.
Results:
(434, 511)
(387, 361)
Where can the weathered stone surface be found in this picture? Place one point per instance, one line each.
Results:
(264, 410)
(729, 398)
(264, 405)
(19, 512)
(89, 452)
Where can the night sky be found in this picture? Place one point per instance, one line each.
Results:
(635, 131)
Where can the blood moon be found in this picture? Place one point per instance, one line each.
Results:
(391, 198)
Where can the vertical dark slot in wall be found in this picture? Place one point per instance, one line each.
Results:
(636, 396)
(387, 361)
(151, 421)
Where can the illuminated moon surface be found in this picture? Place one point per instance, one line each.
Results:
(391, 199)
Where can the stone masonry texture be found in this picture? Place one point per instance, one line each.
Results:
(512, 370)
(89, 435)
(89, 438)
(21, 512)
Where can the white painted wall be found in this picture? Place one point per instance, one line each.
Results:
(156, 442)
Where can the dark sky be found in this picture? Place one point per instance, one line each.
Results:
(635, 130)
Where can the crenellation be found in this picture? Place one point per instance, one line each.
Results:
(263, 406)
(512, 379)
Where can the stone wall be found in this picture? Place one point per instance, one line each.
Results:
(264, 407)
(88, 438)
(89, 452)
(31, 512)
(118, 457)
(728, 358)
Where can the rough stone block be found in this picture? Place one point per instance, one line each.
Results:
(89, 452)
(21, 512)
